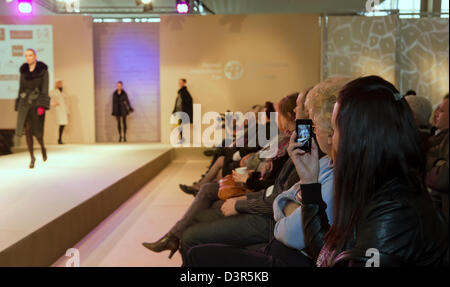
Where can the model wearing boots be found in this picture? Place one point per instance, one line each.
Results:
(58, 102)
(121, 109)
(32, 102)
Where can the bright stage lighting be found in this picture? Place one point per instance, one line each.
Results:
(25, 6)
(148, 4)
(182, 6)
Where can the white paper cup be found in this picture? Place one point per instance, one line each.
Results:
(241, 170)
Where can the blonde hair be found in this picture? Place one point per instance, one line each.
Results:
(321, 99)
(32, 50)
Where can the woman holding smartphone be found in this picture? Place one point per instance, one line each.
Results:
(287, 247)
(32, 102)
(380, 202)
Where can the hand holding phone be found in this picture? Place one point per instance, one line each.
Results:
(304, 134)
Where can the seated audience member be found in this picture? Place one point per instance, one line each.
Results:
(434, 115)
(223, 162)
(253, 160)
(410, 93)
(437, 171)
(380, 199)
(422, 109)
(204, 221)
(287, 247)
(319, 107)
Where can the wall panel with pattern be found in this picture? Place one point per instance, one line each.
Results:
(411, 53)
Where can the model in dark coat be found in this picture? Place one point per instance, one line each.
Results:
(31, 103)
(184, 103)
(121, 109)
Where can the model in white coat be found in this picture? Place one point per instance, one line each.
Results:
(58, 103)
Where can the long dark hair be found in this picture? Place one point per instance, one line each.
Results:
(378, 142)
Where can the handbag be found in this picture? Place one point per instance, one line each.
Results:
(228, 188)
(125, 106)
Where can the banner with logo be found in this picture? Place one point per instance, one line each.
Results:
(14, 40)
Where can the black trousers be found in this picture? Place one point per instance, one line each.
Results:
(211, 226)
(119, 127)
(275, 254)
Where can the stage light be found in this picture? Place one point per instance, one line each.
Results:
(25, 6)
(148, 4)
(182, 6)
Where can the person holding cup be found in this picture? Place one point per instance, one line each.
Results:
(255, 181)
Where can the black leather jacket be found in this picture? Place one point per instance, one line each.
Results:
(404, 227)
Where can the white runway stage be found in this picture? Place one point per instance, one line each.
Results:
(45, 210)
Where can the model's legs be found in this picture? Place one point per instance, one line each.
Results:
(124, 119)
(119, 128)
(61, 130)
(29, 138)
(40, 139)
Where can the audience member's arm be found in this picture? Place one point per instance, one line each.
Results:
(437, 177)
(255, 182)
(290, 207)
(282, 200)
(438, 169)
(257, 203)
(314, 218)
(289, 230)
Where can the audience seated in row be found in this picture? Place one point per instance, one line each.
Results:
(206, 222)
(380, 200)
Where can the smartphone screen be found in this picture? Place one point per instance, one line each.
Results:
(304, 132)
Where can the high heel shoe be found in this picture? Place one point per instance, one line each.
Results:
(188, 189)
(167, 242)
(44, 154)
(33, 160)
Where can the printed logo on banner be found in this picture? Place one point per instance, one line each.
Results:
(234, 70)
(43, 35)
(14, 35)
(2, 34)
(17, 51)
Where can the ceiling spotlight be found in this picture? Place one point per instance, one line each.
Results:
(182, 6)
(25, 6)
(148, 4)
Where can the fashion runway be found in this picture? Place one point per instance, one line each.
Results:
(146, 216)
(48, 209)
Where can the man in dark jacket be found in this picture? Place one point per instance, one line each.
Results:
(437, 159)
(184, 104)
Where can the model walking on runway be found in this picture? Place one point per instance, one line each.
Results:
(121, 109)
(32, 101)
(57, 97)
